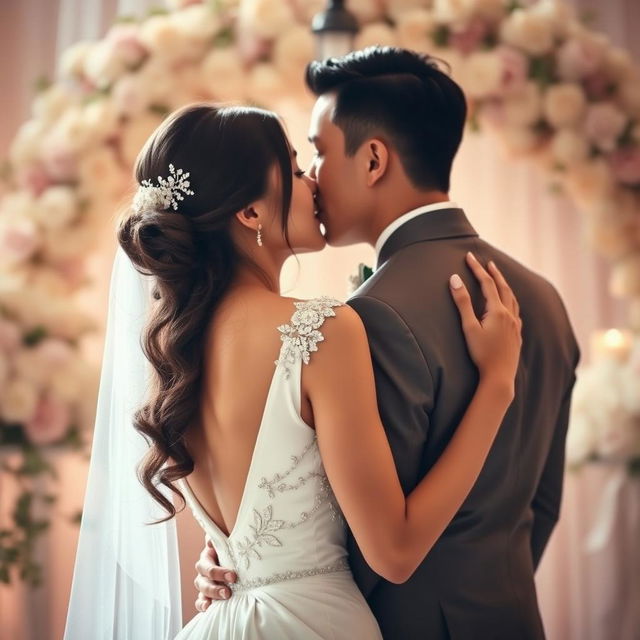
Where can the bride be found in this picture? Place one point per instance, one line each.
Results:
(271, 460)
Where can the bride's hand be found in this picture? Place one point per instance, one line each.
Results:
(494, 341)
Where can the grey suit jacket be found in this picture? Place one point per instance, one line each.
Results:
(477, 582)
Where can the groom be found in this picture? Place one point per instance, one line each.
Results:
(386, 126)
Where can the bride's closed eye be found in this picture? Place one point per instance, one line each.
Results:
(299, 173)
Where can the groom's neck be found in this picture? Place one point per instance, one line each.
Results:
(392, 206)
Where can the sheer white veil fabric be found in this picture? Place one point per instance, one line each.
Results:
(126, 582)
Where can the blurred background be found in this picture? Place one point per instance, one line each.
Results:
(549, 171)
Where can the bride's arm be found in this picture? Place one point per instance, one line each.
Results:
(395, 533)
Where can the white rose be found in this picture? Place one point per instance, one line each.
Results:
(395, 9)
(518, 140)
(292, 51)
(365, 11)
(19, 400)
(589, 182)
(18, 205)
(481, 74)
(68, 242)
(569, 147)
(165, 38)
(103, 65)
(100, 118)
(266, 85)
(71, 131)
(135, 133)
(222, 76)
(198, 22)
(57, 207)
(528, 31)
(414, 29)
(581, 439)
(266, 18)
(101, 175)
(618, 438)
(452, 11)
(49, 104)
(376, 33)
(26, 144)
(604, 123)
(564, 104)
(558, 14)
(525, 106)
(156, 81)
(71, 62)
(128, 95)
(625, 277)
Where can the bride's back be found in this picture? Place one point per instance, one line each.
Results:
(240, 347)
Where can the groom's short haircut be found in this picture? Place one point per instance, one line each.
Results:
(402, 96)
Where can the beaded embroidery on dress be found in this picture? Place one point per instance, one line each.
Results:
(287, 545)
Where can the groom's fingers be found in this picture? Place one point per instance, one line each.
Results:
(463, 302)
(211, 590)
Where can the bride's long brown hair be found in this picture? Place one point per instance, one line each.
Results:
(229, 153)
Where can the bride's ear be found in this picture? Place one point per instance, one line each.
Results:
(249, 217)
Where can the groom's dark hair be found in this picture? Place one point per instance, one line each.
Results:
(403, 96)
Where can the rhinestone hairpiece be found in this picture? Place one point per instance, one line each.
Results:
(166, 194)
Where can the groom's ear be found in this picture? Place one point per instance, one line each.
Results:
(377, 156)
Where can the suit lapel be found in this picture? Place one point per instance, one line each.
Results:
(431, 225)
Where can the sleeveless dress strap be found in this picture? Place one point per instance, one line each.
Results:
(301, 335)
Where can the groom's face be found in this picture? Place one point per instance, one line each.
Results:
(342, 193)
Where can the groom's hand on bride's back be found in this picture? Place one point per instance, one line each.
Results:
(212, 579)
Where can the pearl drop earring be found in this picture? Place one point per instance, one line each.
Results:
(259, 237)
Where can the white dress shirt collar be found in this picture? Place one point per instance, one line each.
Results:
(398, 222)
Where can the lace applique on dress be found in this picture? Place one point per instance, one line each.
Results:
(301, 335)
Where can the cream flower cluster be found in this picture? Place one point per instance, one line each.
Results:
(605, 412)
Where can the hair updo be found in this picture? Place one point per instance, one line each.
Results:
(229, 153)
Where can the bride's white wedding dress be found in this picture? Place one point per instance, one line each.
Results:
(288, 543)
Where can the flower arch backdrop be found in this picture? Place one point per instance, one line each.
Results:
(553, 91)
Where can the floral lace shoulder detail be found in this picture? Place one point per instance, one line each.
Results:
(301, 335)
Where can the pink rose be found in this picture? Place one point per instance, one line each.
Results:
(578, 59)
(625, 165)
(54, 352)
(127, 45)
(515, 68)
(467, 39)
(50, 422)
(19, 241)
(35, 179)
(604, 124)
(72, 271)
(61, 163)
(10, 336)
(597, 85)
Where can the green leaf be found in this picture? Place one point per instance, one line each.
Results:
(440, 35)
(160, 109)
(542, 70)
(42, 83)
(224, 37)
(35, 336)
(634, 467)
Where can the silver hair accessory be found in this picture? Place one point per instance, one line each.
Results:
(166, 194)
